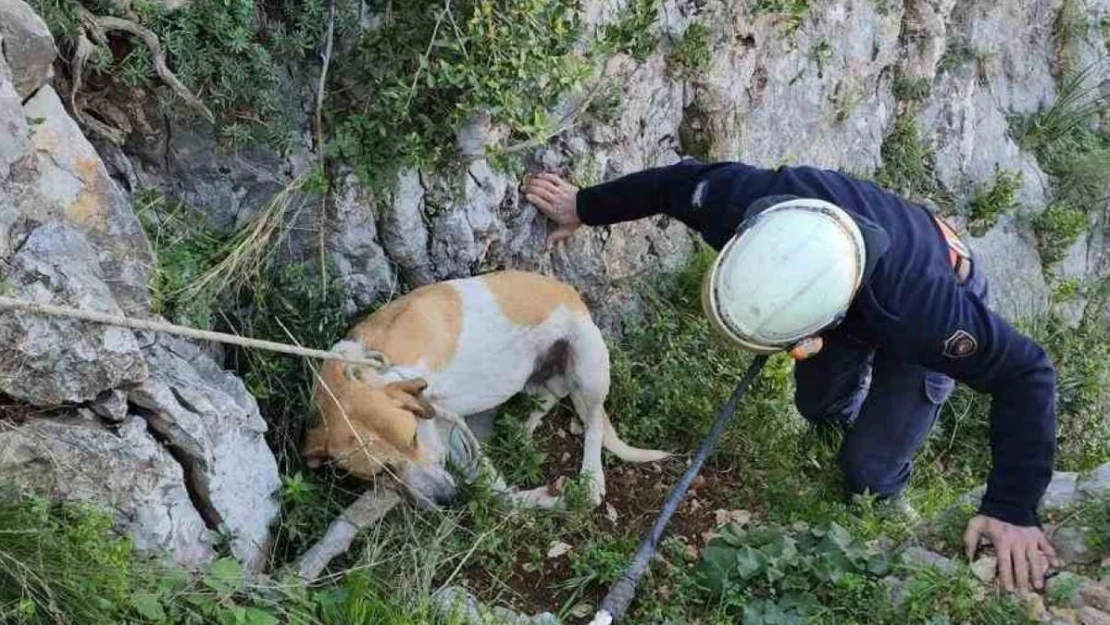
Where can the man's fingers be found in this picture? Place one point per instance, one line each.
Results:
(1048, 550)
(1021, 566)
(1039, 563)
(544, 185)
(541, 203)
(1005, 566)
(971, 540)
(548, 195)
(550, 178)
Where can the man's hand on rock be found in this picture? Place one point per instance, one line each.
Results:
(1024, 553)
(557, 199)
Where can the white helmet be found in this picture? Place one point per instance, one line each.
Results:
(789, 272)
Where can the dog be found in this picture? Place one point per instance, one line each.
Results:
(457, 348)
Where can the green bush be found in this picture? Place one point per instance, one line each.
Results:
(909, 89)
(908, 163)
(691, 53)
(411, 83)
(1057, 228)
(991, 202)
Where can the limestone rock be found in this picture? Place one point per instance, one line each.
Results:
(1072, 545)
(917, 557)
(1095, 596)
(71, 185)
(459, 605)
(1092, 616)
(1096, 483)
(404, 235)
(50, 360)
(1062, 491)
(68, 458)
(985, 569)
(365, 274)
(206, 415)
(26, 43)
(1013, 267)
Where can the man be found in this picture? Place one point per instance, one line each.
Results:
(811, 258)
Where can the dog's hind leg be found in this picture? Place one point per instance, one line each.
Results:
(546, 399)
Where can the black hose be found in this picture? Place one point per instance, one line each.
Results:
(620, 595)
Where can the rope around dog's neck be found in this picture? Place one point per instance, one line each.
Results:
(11, 303)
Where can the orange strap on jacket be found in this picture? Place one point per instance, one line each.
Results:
(958, 253)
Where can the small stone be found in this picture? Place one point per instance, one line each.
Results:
(575, 427)
(1063, 589)
(565, 457)
(610, 512)
(458, 605)
(545, 618)
(916, 557)
(1064, 615)
(724, 517)
(698, 483)
(582, 610)
(1072, 545)
(1092, 616)
(985, 569)
(1095, 596)
(1035, 608)
(557, 549)
(111, 405)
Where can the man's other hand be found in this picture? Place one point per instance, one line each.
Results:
(1024, 553)
(557, 199)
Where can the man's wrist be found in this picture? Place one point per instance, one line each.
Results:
(1022, 516)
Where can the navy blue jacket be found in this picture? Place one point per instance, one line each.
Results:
(910, 302)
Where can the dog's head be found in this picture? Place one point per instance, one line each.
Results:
(368, 424)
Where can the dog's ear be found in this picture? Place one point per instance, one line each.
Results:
(411, 394)
(315, 447)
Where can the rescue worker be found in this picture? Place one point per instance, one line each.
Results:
(896, 304)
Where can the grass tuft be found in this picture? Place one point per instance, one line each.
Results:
(991, 202)
(1057, 228)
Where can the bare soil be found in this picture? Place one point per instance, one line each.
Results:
(636, 493)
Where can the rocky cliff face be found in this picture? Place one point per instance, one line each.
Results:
(158, 433)
(174, 444)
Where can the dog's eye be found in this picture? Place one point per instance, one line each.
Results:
(415, 442)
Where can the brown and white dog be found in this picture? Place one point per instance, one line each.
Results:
(457, 348)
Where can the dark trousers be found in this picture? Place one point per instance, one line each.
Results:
(886, 406)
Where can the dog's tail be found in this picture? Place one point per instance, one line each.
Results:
(623, 450)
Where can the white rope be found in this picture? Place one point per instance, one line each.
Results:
(11, 303)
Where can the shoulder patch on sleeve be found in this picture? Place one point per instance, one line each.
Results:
(699, 194)
(960, 345)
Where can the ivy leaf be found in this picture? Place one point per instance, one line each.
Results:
(225, 576)
(749, 562)
(148, 606)
(718, 564)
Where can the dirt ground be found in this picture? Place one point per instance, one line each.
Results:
(635, 493)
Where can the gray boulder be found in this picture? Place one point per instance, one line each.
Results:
(123, 470)
(206, 415)
(26, 43)
(50, 360)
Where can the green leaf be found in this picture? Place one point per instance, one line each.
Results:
(254, 616)
(749, 562)
(718, 564)
(148, 606)
(225, 576)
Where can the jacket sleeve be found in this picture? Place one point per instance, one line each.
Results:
(666, 190)
(948, 329)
